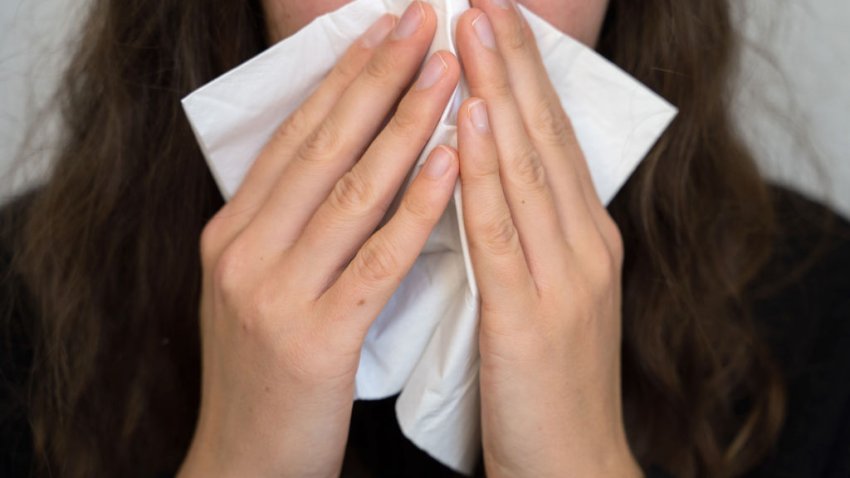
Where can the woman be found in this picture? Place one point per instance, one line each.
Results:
(110, 372)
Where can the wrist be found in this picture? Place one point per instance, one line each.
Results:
(615, 462)
(205, 461)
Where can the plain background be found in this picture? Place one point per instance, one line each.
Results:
(793, 98)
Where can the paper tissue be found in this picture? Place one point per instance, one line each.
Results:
(424, 344)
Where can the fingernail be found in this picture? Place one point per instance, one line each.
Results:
(503, 4)
(433, 71)
(484, 31)
(438, 163)
(478, 116)
(379, 30)
(410, 21)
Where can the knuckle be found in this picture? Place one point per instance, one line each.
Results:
(481, 166)
(352, 194)
(497, 86)
(615, 240)
(516, 36)
(404, 123)
(601, 264)
(551, 124)
(212, 237)
(418, 209)
(344, 72)
(229, 273)
(380, 69)
(321, 143)
(499, 236)
(294, 126)
(377, 262)
(528, 169)
(606, 272)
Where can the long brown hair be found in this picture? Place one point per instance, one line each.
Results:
(108, 247)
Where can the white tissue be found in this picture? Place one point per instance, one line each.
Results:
(424, 344)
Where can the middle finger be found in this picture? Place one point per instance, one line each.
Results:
(359, 200)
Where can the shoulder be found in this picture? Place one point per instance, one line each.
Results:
(804, 289)
(12, 216)
(16, 344)
(802, 305)
(15, 316)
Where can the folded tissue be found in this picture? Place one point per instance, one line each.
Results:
(424, 344)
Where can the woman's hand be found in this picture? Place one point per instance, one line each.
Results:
(547, 258)
(294, 272)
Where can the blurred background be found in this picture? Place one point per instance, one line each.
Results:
(792, 100)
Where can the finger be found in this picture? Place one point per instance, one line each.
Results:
(498, 258)
(488, 78)
(540, 105)
(265, 171)
(524, 176)
(550, 128)
(368, 282)
(361, 197)
(340, 139)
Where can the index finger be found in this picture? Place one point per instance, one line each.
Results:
(549, 127)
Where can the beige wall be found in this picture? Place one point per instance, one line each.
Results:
(794, 95)
(33, 48)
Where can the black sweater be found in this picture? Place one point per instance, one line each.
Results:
(808, 318)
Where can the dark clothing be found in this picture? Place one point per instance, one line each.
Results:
(808, 317)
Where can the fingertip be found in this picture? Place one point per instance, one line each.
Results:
(475, 115)
(441, 164)
(441, 65)
(451, 62)
(429, 21)
(379, 31)
(476, 45)
(464, 29)
(416, 26)
(464, 107)
(476, 144)
(427, 9)
(466, 18)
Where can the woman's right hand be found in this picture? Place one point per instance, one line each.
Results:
(293, 270)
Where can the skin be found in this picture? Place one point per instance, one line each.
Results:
(581, 19)
(286, 305)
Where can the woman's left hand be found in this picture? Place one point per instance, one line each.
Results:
(547, 258)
